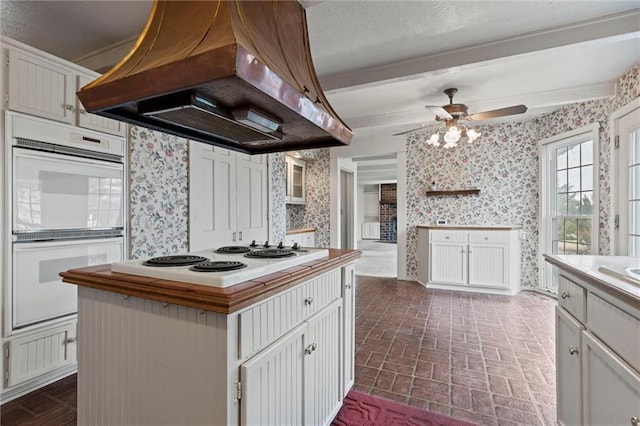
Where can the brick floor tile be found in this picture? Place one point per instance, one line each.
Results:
(398, 368)
(402, 399)
(481, 402)
(473, 417)
(424, 369)
(519, 404)
(430, 385)
(439, 408)
(516, 415)
(430, 395)
(375, 360)
(472, 383)
(402, 384)
(384, 380)
(499, 385)
(460, 397)
(418, 403)
(441, 373)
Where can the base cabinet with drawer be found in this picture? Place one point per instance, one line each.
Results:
(304, 239)
(597, 356)
(482, 259)
(283, 360)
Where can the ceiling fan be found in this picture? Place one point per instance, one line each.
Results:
(451, 113)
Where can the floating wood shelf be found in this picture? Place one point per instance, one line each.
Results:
(453, 192)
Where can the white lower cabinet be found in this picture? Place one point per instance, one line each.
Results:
(304, 239)
(597, 356)
(38, 356)
(482, 259)
(370, 230)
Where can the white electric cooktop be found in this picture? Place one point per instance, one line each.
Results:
(255, 267)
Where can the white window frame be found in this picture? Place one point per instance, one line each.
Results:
(613, 171)
(591, 131)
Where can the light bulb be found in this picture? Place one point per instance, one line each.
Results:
(433, 140)
(472, 135)
(452, 135)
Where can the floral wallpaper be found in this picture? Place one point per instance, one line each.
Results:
(503, 164)
(277, 212)
(158, 186)
(315, 213)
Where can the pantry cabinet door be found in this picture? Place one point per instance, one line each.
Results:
(212, 197)
(40, 87)
(252, 198)
(272, 383)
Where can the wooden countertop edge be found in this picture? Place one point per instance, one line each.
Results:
(300, 231)
(611, 290)
(222, 300)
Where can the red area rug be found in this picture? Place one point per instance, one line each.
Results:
(360, 409)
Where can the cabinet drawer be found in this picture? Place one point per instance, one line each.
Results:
(617, 329)
(449, 236)
(264, 323)
(488, 237)
(572, 298)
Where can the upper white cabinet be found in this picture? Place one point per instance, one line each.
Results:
(40, 86)
(482, 259)
(228, 197)
(296, 177)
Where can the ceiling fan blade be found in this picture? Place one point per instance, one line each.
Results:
(512, 110)
(439, 112)
(409, 131)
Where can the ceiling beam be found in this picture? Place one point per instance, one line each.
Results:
(622, 24)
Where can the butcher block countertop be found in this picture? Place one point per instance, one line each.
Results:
(224, 300)
(300, 231)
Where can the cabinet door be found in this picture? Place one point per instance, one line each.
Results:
(93, 121)
(296, 171)
(212, 196)
(487, 265)
(272, 383)
(348, 304)
(568, 369)
(322, 366)
(611, 386)
(38, 353)
(40, 87)
(252, 198)
(448, 263)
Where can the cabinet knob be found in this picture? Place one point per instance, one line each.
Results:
(308, 300)
(83, 111)
(446, 238)
(348, 286)
(635, 421)
(69, 107)
(309, 349)
(564, 294)
(69, 340)
(572, 350)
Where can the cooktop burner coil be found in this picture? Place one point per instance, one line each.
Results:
(177, 260)
(270, 254)
(217, 266)
(233, 250)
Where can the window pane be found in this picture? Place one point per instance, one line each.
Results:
(561, 204)
(573, 204)
(634, 217)
(574, 179)
(584, 236)
(573, 156)
(562, 181)
(587, 152)
(570, 232)
(561, 158)
(634, 245)
(586, 207)
(634, 183)
(587, 178)
(634, 144)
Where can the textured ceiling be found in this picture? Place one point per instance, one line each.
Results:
(381, 62)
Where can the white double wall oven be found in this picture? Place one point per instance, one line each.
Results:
(66, 207)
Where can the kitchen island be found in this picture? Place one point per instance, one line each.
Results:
(277, 349)
(597, 340)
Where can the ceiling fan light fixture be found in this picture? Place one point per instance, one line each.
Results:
(472, 135)
(434, 139)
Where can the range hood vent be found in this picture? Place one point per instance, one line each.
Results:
(236, 74)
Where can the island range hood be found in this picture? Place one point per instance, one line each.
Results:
(236, 74)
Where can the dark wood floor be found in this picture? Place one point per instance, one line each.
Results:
(480, 358)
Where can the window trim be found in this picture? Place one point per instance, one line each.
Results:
(592, 130)
(613, 170)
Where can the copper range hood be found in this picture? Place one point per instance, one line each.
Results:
(236, 74)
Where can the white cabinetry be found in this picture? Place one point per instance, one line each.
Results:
(228, 198)
(296, 178)
(41, 85)
(370, 230)
(463, 258)
(597, 356)
(283, 360)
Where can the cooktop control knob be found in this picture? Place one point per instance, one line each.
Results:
(253, 243)
(280, 245)
(295, 246)
(266, 244)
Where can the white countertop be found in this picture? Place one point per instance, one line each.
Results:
(489, 227)
(608, 271)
